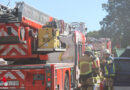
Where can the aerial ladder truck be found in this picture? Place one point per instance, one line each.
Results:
(44, 51)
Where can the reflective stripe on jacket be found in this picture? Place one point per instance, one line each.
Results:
(85, 67)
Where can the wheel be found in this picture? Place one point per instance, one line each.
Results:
(66, 83)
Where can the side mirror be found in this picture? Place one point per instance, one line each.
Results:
(85, 29)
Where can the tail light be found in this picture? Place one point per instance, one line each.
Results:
(48, 81)
(48, 77)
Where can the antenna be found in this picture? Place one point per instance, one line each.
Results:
(8, 3)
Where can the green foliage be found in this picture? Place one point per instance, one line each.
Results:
(116, 25)
(96, 34)
(93, 34)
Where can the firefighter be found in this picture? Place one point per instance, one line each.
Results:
(108, 63)
(109, 70)
(96, 64)
(97, 58)
(85, 65)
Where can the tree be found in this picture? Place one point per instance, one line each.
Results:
(116, 25)
(93, 34)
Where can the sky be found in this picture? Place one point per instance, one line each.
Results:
(88, 11)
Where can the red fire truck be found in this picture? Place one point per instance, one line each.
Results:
(99, 44)
(42, 51)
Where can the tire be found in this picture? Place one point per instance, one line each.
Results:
(66, 83)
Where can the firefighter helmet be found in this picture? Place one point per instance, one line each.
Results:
(106, 51)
